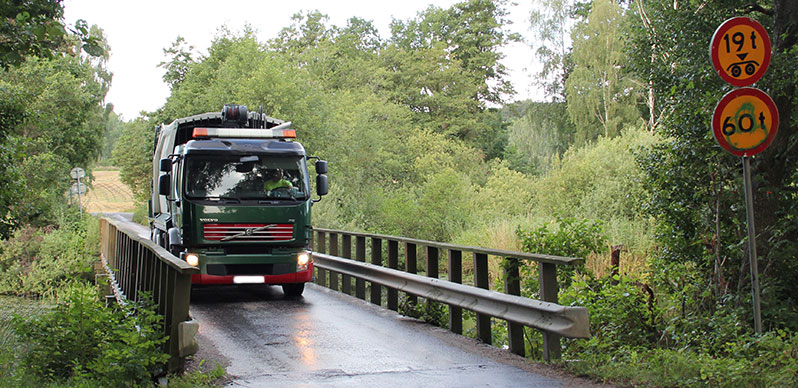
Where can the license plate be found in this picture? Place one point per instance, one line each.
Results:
(248, 279)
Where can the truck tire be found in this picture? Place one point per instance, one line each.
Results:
(293, 290)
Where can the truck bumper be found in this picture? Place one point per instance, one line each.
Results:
(296, 277)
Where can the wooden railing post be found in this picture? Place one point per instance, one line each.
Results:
(481, 281)
(346, 252)
(548, 293)
(180, 296)
(334, 252)
(321, 246)
(393, 263)
(432, 261)
(360, 255)
(455, 276)
(411, 266)
(376, 259)
(512, 286)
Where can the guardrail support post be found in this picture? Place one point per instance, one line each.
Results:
(455, 276)
(512, 286)
(360, 255)
(411, 266)
(334, 252)
(346, 252)
(321, 246)
(393, 263)
(376, 259)
(481, 281)
(548, 293)
(179, 309)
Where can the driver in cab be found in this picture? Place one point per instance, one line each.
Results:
(274, 180)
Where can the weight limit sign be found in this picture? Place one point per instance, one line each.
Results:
(740, 51)
(745, 121)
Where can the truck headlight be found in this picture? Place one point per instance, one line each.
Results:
(192, 259)
(302, 260)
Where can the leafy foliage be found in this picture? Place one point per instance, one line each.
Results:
(82, 339)
(36, 28)
(36, 262)
(59, 126)
(571, 238)
(599, 92)
(132, 153)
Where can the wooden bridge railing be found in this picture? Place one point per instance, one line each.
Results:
(552, 319)
(135, 265)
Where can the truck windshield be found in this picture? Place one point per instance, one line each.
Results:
(248, 177)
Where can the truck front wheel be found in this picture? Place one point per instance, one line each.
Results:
(293, 290)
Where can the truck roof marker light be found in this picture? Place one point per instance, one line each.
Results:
(244, 133)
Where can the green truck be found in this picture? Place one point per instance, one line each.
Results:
(231, 195)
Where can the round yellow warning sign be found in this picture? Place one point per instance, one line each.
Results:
(740, 51)
(745, 121)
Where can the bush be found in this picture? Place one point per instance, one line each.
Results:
(570, 238)
(621, 314)
(83, 340)
(39, 261)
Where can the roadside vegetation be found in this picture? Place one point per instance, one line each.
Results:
(423, 141)
(55, 328)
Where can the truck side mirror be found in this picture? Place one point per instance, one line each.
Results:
(321, 167)
(164, 182)
(322, 185)
(166, 165)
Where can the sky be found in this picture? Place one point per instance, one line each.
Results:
(138, 31)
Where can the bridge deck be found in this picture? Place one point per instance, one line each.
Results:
(328, 339)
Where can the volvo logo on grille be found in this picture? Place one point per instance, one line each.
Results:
(209, 220)
(250, 231)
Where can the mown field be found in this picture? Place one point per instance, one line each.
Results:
(107, 193)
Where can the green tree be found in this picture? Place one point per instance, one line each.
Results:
(59, 126)
(180, 58)
(551, 22)
(537, 136)
(36, 28)
(445, 65)
(600, 94)
(132, 153)
(472, 33)
(113, 130)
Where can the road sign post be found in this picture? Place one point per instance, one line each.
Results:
(752, 258)
(745, 120)
(78, 187)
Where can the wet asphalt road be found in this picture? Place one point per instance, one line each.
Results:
(328, 339)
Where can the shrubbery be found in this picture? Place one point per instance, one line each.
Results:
(84, 342)
(70, 338)
(36, 262)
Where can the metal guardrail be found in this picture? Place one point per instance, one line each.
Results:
(552, 319)
(135, 266)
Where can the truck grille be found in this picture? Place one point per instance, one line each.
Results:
(248, 232)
